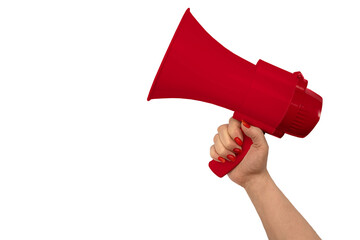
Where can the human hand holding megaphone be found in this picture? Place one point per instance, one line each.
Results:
(228, 144)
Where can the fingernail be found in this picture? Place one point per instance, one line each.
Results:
(245, 124)
(231, 157)
(222, 159)
(237, 150)
(238, 141)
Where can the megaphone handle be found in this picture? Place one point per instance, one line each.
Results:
(221, 169)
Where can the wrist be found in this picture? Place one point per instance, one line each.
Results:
(257, 181)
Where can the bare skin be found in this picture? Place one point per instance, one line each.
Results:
(280, 218)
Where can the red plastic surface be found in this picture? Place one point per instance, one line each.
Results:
(197, 67)
(221, 169)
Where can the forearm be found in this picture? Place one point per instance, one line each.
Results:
(280, 218)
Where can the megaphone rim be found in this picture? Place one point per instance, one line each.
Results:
(166, 55)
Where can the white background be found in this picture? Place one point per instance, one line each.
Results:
(83, 155)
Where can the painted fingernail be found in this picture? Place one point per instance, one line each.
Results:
(231, 157)
(245, 124)
(238, 141)
(222, 159)
(237, 150)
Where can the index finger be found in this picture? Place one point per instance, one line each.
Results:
(235, 132)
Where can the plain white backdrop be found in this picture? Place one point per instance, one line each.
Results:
(83, 155)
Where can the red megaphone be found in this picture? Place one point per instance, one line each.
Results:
(197, 67)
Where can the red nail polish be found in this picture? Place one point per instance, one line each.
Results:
(238, 141)
(231, 157)
(222, 159)
(245, 124)
(237, 150)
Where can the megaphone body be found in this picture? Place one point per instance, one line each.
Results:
(197, 67)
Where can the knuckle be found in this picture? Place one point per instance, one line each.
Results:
(234, 122)
(212, 152)
(214, 138)
(234, 132)
(222, 151)
(228, 143)
(221, 127)
(259, 132)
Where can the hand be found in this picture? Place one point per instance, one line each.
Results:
(227, 143)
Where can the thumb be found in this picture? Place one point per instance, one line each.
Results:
(255, 133)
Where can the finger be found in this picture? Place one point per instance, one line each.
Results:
(214, 154)
(255, 133)
(222, 151)
(227, 140)
(235, 132)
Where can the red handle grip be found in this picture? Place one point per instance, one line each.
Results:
(221, 169)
